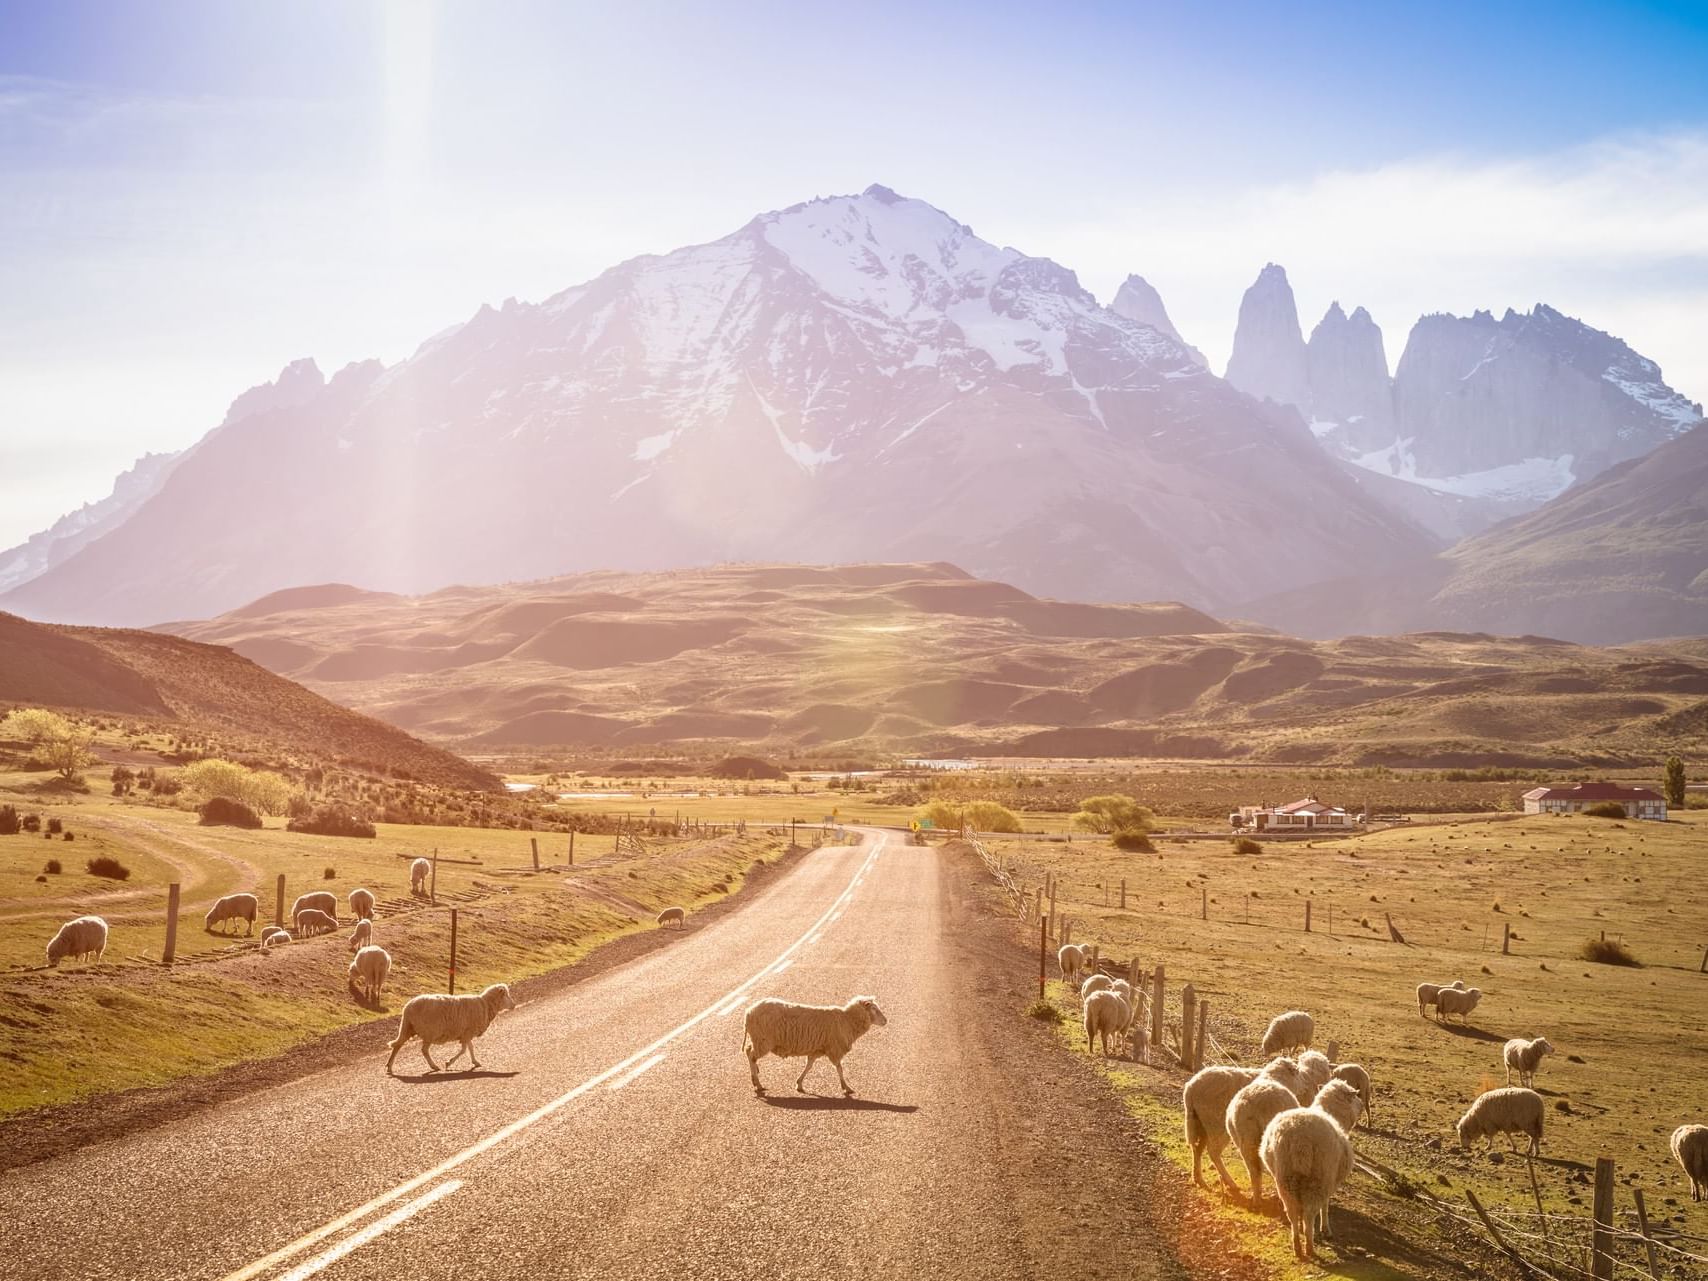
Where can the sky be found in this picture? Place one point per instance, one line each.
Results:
(194, 193)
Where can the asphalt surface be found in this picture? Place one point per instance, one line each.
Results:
(613, 1133)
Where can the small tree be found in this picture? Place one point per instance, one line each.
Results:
(1675, 782)
(59, 743)
(1111, 814)
(259, 790)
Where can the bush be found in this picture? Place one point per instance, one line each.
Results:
(262, 791)
(329, 874)
(981, 816)
(224, 812)
(1043, 1011)
(32, 823)
(1133, 840)
(1111, 814)
(69, 836)
(55, 826)
(1605, 809)
(8, 821)
(1606, 951)
(331, 820)
(110, 868)
(1245, 845)
(52, 868)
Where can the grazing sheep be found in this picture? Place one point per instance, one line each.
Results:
(1072, 958)
(1106, 1015)
(1690, 1150)
(273, 936)
(362, 904)
(419, 871)
(85, 936)
(311, 920)
(1096, 983)
(362, 935)
(439, 1019)
(1524, 1057)
(1290, 1031)
(1427, 992)
(813, 1032)
(1340, 1100)
(1308, 1155)
(1317, 1071)
(1451, 1000)
(1358, 1077)
(319, 901)
(233, 907)
(1123, 989)
(1507, 1111)
(369, 970)
(1287, 1072)
(1205, 1099)
(1249, 1113)
(673, 916)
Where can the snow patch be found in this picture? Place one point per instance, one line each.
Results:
(650, 447)
(1533, 480)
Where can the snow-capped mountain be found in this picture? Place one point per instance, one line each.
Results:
(1137, 299)
(76, 530)
(852, 378)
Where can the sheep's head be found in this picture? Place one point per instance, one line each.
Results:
(498, 998)
(1544, 1046)
(1472, 996)
(1467, 1131)
(1342, 1103)
(1458, 985)
(870, 1005)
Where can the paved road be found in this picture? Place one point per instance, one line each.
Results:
(612, 1133)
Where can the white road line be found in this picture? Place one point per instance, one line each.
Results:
(621, 1081)
(732, 1005)
(309, 1239)
(356, 1240)
(779, 967)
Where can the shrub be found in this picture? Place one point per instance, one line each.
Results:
(32, 823)
(329, 874)
(110, 868)
(262, 791)
(55, 826)
(1043, 1011)
(1245, 845)
(70, 836)
(981, 816)
(58, 743)
(1605, 809)
(52, 868)
(1133, 840)
(1606, 951)
(331, 820)
(1111, 814)
(9, 823)
(221, 811)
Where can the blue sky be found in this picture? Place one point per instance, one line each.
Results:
(193, 194)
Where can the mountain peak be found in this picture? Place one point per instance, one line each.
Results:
(1268, 359)
(299, 381)
(884, 195)
(1138, 300)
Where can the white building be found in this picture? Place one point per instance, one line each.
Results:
(1308, 815)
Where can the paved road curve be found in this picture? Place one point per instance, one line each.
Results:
(612, 1133)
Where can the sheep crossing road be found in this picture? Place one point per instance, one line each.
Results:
(612, 1132)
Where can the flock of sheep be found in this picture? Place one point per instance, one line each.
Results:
(1294, 1117)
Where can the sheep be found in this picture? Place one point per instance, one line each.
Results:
(319, 901)
(1096, 983)
(1290, 1031)
(791, 1031)
(1072, 958)
(1509, 1111)
(1123, 989)
(84, 936)
(439, 1019)
(673, 916)
(1287, 1072)
(1358, 1077)
(1307, 1154)
(1205, 1099)
(419, 871)
(362, 904)
(1249, 1113)
(1106, 1015)
(312, 920)
(1427, 992)
(273, 936)
(362, 935)
(1316, 1070)
(1453, 1001)
(1690, 1150)
(233, 907)
(369, 970)
(1524, 1057)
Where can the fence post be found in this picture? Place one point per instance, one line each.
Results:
(1518, 1261)
(279, 902)
(1601, 1237)
(1307, 916)
(572, 847)
(534, 841)
(1203, 902)
(1124, 906)
(1648, 1241)
(1188, 1013)
(1505, 939)
(433, 885)
(1703, 969)
(1043, 953)
(1203, 1027)
(453, 950)
(1133, 976)
(172, 892)
(1157, 999)
(1248, 908)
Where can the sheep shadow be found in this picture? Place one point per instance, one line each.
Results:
(832, 1103)
(1472, 1032)
(443, 1078)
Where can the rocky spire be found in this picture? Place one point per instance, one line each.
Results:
(1349, 381)
(1138, 300)
(1268, 359)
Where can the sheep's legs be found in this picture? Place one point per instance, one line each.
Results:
(1227, 1179)
(847, 1090)
(468, 1049)
(753, 1071)
(800, 1086)
(427, 1053)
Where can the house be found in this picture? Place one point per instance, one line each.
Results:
(1639, 802)
(1308, 815)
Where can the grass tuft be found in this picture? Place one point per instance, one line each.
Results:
(1606, 951)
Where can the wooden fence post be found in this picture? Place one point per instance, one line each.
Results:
(433, 885)
(1203, 902)
(1157, 1002)
(279, 902)
(1505, 939)
(1703, 969)
(1133, 979)
(572, 847)
(534, 841)
(1188, 1014)
(1307, 916)
(1518, 1260)
(1043, 953)
(1124, 908)
(1203, 1031)
(1601, 1236)
(453, 950)
(1648, 1240)
(171, 950)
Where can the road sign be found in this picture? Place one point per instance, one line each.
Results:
(925, 822)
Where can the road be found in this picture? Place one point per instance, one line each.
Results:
(613, 1133)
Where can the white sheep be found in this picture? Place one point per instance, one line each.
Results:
(1106, 1015)
(362, 904)
(1285, 1070)
(1427, 992)
(419, 871)
(1524, 1057)
(1250, 1111)
(1290, 1031)
(1690, 1150)
(1358, 1077)
(1509, 1111)
(369, 970)
(1452, 1000)
(1316, 1070)
(673, 916)
(1307, 1154)
(813, 1032)
(1072, 958)
(318, 901)
(311, 920)
(362, 935)
(438, 1019)
(1123, 989)
(82, 937)
(1096, 983)
(233, 907)
(274, 936)
(1204, 1099)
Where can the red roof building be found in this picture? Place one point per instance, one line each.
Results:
(1639, 802)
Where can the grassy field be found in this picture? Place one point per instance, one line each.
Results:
(79, 1030)
(1630, 1041)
